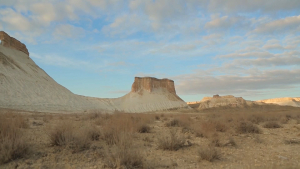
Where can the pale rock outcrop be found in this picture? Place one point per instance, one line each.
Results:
(221, 101)
(283, 101)
(13, 43)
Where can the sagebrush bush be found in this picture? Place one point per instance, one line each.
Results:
(66, 134)
(179, 121)
(123, 154)
(13, 144)
(272, 124)
(171, 141)
(247, 127)
(209, 154)
(292, 141)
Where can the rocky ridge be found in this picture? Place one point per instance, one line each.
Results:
(11, 42)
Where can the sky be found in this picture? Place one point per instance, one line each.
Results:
(249, 49)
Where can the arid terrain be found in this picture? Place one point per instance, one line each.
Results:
(266, 136)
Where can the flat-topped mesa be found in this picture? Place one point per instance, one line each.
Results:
(151, 83)
(11, 42)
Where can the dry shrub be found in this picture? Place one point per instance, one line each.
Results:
(209, 154)
(13, 145)
(292, 141)
(123, 122)
(67, 134)
(231, 142)
(171, 142)
(179, 121)
(272, 124)
(47, 118)
(208, 128)
(123, 154)
(215, 141)
(144, 128)
(247, 127)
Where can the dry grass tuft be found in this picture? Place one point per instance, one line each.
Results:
(144, 128)
(292, 141)
(272, 124)
(179, 121)
(171, 142)
(124, 155)
(12, 143)
(209, 154)
(247, 127)
(66, 134)
(215, 142)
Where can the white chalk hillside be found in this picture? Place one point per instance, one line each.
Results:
(283, 101)
(143, 101)
(25, 86)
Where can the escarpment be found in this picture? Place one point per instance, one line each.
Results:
(13, 43)
(150, 84)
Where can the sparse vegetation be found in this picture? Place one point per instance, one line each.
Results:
(272, 124)
(248, 127)
(292, 141)
(13, 145)
(123, 154)
(68, 135)
(171, 141)
(209, 154)
(123, 140)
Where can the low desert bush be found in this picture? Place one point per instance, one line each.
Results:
(171, 141)
(272, 124)
(144, 128)
(179, 121)
(13, 144)
(208, 128)
(67, 134)
(125, 123)
(247, 127)
(215, 141)
(292, 141)
(209, 154)
(123, 154)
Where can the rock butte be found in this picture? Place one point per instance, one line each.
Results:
(25, 86)
(11, 42)
(151, 83)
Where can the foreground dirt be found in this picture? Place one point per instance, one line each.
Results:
(270, 148)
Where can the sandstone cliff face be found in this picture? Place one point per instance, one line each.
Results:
(11, 42)
(151, 83)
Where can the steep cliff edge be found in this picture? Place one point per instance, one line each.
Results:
(13, 43)
(150, 83)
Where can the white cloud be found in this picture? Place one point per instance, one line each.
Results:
(287, 24)
(266, 6)
(15, 21)
(247, 55)
(190, 84)
(68, 31)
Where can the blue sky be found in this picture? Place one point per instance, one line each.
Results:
(96, 47)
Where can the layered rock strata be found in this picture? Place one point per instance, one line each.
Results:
(150, 83)
(13, 43)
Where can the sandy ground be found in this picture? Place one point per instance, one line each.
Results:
(268, 149)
